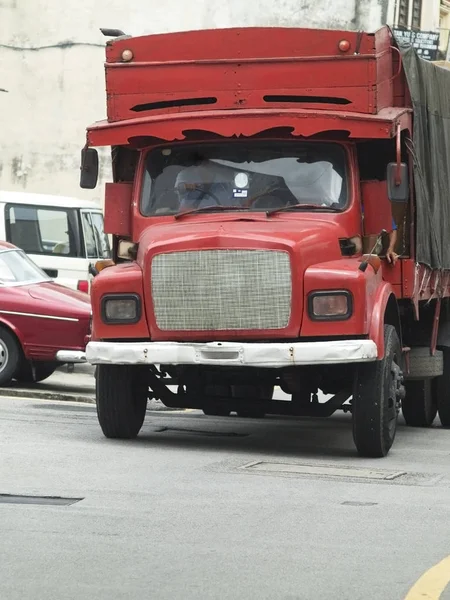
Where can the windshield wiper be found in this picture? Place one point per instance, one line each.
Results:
(274, 211)
(211, 208)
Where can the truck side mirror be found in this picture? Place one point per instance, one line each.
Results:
(89, 168)
(398, 182)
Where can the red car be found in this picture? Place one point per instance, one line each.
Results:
(42, 324)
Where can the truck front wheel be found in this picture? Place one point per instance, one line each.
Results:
(375, 404)
(122, 393)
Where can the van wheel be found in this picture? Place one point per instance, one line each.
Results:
(419, 407)
(122, 393)
(375, 406)
(10, 355)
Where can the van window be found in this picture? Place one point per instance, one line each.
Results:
(96, 240)
(42, 230)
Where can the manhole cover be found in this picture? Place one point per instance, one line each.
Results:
(42, 500)
(324, 470)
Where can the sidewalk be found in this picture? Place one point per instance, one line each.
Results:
(76, 386)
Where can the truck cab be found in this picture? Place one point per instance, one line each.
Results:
(257, 175)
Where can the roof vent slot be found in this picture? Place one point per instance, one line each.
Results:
(306, 99)
(173, 104)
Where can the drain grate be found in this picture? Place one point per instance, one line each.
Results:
(324, 470)
(40, 500)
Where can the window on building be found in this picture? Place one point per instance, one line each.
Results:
(403, 13)
(416, 14)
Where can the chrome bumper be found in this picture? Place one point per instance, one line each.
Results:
(71, 356)
(231, 354)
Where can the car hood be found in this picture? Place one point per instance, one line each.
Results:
(64, 299)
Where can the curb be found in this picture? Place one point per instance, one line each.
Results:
(32, 394)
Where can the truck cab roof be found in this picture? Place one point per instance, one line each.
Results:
(162, 86)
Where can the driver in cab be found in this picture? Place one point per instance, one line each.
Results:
(204, 184)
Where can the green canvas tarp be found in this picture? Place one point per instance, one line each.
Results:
(429, 86)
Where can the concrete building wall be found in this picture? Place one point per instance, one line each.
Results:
(430, 15)
(51, 69)
(445, 28)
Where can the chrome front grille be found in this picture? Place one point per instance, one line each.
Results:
(218, 290)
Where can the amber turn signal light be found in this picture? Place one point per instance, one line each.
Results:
(104, 264)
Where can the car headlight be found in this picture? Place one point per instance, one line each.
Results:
(122, 309)
(330, 305)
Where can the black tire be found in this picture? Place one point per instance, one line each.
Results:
(215, 410)
(258, 392)
(122, 393)
(251, 413)
(441, 389)
(301, 399)
(41, 371)
(375, 400)
(10, 356)
(419, 407)
(44, 371)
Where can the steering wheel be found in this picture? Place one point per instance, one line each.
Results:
(167, 202)
(204, 194)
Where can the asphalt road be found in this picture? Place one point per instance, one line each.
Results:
(206, 508)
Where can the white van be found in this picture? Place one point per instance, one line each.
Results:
(61, 235)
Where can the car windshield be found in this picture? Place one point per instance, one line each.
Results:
(17, 269)
(248, 176)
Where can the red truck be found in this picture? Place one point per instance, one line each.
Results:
(259, 175)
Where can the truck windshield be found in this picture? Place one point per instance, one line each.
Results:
(248, 176)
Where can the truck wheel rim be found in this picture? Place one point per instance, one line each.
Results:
(4, 355)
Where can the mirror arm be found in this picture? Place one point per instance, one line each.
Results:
(92, 270)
